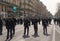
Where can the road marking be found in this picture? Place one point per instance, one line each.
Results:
(53, 34)
(57, 30)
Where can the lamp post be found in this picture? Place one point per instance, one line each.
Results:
(24, 7)
(20, 8)
(29, 7)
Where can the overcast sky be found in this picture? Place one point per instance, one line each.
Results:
(51, 5)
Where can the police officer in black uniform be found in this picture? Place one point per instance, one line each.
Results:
(39, 20)
(14, 24)
(10, 27)
(35, 23)
(26, 25)
(55, 20)
(20, 20)
(44, 24)
(1, 25)
(50, 20)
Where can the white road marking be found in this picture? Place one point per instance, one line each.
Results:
(57, 29)
(53, 34)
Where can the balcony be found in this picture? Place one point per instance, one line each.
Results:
(7, 3)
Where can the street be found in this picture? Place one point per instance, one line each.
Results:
(57, 33)
(22, 12)
(19, 34)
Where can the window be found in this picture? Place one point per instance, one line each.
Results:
(4, 8)
(7, 0)
(22, 1)
(14, 1)
(1, 0)
(4, 0)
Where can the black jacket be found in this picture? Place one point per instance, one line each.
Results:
(14, 21)
(44, 22)
(26, 22)
(9, 23)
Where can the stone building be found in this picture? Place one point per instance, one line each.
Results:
(29, 7)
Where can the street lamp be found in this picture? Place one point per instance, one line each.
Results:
(29, 7)
(24, 7)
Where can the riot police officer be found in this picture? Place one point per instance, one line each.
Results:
(14, 24)
(39, 20)
(35, 23)
(21, 21)
(55, 20)
(44, 24)
(26, 25)
(10, 26)
(50, 20)
(1, 24)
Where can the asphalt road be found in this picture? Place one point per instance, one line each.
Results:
(20, 30)
(57, 33)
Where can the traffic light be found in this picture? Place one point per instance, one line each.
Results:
(14, 8)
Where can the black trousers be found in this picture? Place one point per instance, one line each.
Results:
(13, 30)
(9, 33)
(26, 30)
(49, 22)
(44, 29)
(35, 29)
(1, 29)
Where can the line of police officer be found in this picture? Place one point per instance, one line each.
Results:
(35, 21)
(10, 23)
(57, 21)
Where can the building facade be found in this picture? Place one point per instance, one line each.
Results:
(7, 5)
(29, 7)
